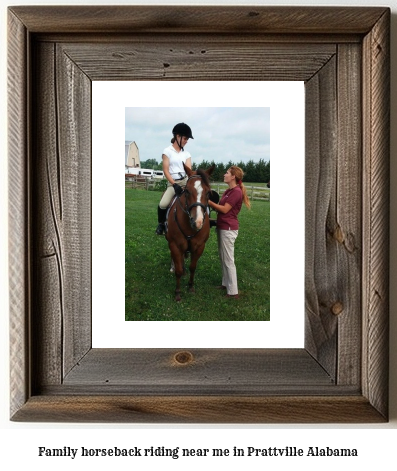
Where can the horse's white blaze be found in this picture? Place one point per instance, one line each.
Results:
(199, 209)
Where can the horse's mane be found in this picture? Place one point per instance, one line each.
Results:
(204, 176)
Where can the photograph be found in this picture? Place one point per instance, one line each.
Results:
(200, 179)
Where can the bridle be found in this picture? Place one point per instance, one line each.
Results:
(187, 210)
(194, 205)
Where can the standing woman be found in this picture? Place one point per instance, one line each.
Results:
(174, 156)
(227, 226)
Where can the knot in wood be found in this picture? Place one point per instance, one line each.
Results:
(337, 308)
(183, 358)
(338, 235)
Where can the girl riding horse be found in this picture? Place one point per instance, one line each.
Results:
(175, 157)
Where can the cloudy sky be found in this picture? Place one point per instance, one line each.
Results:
(220, 134)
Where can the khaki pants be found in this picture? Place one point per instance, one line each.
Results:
(226, 241)
(169, 193)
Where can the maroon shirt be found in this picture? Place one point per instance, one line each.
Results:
(229, 221)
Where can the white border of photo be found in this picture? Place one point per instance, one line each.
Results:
(286, 326)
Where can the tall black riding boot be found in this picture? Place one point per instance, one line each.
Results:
(161, 215)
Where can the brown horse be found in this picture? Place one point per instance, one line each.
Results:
(188, 226)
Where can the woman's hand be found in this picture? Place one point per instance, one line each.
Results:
(220, 207)
(178, 189)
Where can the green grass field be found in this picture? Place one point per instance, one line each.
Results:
(149, 285)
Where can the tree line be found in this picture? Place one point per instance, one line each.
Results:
(253, 171)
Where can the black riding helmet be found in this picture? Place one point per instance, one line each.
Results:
(182, 129)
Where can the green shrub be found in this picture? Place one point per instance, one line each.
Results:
(160, 185)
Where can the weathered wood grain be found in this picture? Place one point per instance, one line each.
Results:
(199, 409)
(178, 58)
(204, 369)
(199, 19)
(333, 215)
(62, 208)
(376, 142)
(320, 173)
(47, 201)
(73, 89)
(341, 375)
(347, 226)
(18, 223)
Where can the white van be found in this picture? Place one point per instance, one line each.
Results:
(158, 174)
(140, 172)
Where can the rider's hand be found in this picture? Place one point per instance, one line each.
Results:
(178, 189)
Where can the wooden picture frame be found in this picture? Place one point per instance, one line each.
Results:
(342, 54)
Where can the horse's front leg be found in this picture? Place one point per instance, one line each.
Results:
(177, 258)
(196, 254)
(192, 269)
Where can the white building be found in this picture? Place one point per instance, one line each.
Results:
(131, 155)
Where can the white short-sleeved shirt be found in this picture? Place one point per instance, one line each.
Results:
(176, 159)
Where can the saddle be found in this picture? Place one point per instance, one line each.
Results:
(168, 212)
